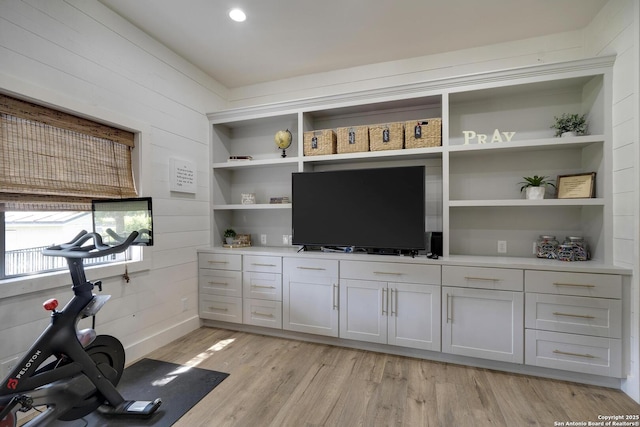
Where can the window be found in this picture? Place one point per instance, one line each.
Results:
(52, 164)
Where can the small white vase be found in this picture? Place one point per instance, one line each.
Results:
(567, 134)
(229, 240)
(535, 193)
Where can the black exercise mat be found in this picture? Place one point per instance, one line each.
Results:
(179, 387)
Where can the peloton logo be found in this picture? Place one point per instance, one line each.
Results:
(28, 364)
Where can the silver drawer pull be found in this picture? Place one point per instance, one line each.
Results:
(257, 264)
(257, 313)
(219, 283)
(566, 353)
(488, 279)
(217, 262)
(218, 309)
(579, 285)
(582, 316)
(311, 268)
(263, 287)
(389, 273)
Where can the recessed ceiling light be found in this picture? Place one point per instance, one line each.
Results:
(237, 15)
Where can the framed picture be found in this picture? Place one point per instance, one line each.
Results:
(577, 186)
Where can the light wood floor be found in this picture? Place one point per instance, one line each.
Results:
(280, 382)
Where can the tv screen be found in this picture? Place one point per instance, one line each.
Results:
(380, 208)
(115, 219)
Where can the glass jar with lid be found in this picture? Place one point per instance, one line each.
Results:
(580, 248)
(566, 253)
(547, 247)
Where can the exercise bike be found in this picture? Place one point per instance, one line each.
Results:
(71, 373)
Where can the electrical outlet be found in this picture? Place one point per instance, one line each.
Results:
(502, 246)
(285, 239)
(185, 304)
(263, 239)
(7, 366)
(535, 248)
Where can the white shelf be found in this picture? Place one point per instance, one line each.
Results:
(545, 144)
(526, 203)
(255, 207)
(240, 164)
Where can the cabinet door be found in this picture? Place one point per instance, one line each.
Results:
(483, 323)
(310, 297)
(414, 316)
(364, 307)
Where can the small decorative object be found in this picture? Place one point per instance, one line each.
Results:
(283, 140)
(237, 158)
(482, 137)
(547, 247)
(580, 248)
(577, 186)
(570, 125)
(243, 240)
(279, 200)
(229, 235)
(535, 186)
(248, 199)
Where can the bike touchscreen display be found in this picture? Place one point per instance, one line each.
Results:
(115, 219)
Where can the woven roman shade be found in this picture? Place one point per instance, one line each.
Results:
(50, 160)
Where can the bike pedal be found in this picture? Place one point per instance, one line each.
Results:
(132, 408)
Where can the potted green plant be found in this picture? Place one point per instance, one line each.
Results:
(535, 186)
(229, 235)
(570, 125)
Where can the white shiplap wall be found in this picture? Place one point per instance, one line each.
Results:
(616, 31)
(80, 56)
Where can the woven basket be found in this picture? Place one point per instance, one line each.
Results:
(319, 142)
(423, 133)
(388, 136)
(353, 139)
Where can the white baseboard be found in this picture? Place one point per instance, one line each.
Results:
(143, 347)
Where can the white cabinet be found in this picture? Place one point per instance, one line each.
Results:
(482, 313)
(310, 296)
(574, 322)
(220, 287)
(262, 291)
(384, 309)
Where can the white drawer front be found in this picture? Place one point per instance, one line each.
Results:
(578, 353)
(220, 282)
(263, 313)
(220, 261)
(265, 264)
(226, 309)
(310, 267)
(580, 284)
(262, 285)
(390, 272)
(579, 315)
(504, 279)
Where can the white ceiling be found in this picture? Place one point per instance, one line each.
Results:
(287, 38)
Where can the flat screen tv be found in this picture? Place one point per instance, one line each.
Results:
(373, 209)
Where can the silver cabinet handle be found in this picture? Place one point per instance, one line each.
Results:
(578, 285)
(257, 313)
(311, 268)
(384, 301)
(394, 302)
(449, 311)
(581, 316)
(257, 264)
(218, 309)
(566, 353)
(335, 296)
(218, 283)
(217, 262)
(263, 287)
(487, 279)
(388, 273)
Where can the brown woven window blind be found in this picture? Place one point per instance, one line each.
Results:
(50, 160)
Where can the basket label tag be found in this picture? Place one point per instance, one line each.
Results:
(385, 135)
(417, 132)
(314, 142)
(352, 136)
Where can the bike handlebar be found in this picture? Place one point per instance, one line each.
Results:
(75, 248)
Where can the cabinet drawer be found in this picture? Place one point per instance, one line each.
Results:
(262, 285)
(578, 353)
(504, 279)
(265, 264)
(311, 267)
(262, 313)
(579, 315)
(220, 261)
(580, 284)
(220, 282)
(390, 272)
(226, 309)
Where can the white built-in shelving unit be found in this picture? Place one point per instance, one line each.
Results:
(472, 190)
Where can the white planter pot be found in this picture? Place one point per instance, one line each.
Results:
(535, 193)
(567, 134)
